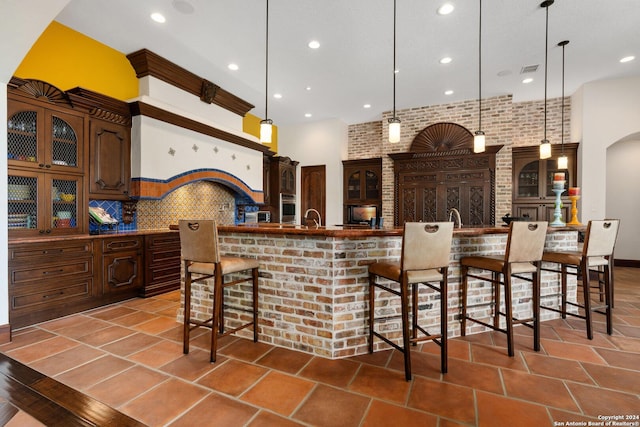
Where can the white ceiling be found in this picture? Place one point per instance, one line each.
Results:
(354, 65)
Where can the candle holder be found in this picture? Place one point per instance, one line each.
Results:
(557, 212)
(574, 210)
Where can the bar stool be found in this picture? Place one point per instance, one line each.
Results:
(424, 259)
(523, 255)
(201, 256)
(596, 254)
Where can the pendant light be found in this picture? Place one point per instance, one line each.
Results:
(563, 160)
(545, 145)
(394, 122)
(266, 125)
(478, 138)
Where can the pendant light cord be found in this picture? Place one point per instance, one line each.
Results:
(266, 73)
(480, 69)
(394, 59)
(563, 44)
(546, 44)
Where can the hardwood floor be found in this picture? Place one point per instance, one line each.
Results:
(123, 365)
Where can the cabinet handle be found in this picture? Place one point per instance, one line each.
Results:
(49, 251)
(48, 230)
(53, 271)
(41, 231)
(41, 165)
(53, 295)
(47, 166)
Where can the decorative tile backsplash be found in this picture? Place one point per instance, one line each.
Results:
(200, 199)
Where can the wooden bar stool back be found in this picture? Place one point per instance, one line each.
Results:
(523, 255)
(424, 259)
(597, 255)
(202, 261)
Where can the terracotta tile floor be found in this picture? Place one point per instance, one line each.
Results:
(129, 356)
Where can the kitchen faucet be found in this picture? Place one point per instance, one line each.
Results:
(319, 221)
(451, 212)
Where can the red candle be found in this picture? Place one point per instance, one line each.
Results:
(574, 191)
(558, 176)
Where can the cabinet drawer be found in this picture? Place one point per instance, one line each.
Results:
(163, 274)
(160, 257)
(121, 244)
(63, 269)
(161, 240)
(37, 298)
(30, 253)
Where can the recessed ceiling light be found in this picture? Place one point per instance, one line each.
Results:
(308, 88)
(527, 80)
(445, 60)
(366, 106)
(445, 9)
(233, 67)
(183, 6)
(396, 71)
(448, 92)
(307, 115)
(277, 95)
(158, 17)
(314, 44)
(627, 59)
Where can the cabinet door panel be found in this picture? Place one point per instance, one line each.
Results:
(122, 272)
(110, 156)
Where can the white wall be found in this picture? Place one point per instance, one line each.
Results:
(605, 112)
(319, 143)
(20, 27)
(623, 176)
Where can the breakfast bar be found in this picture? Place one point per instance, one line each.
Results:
(314, 282)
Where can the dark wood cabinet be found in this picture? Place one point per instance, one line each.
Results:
(429, 185)
(49, 280)
(54, 278)
(281, 176)
(110, 158)
(533, 180)
(122, 265)
(162, 263)
(362, 184)
(45, 155)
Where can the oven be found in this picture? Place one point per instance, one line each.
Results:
(287, 208)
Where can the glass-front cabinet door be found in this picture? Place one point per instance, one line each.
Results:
(43, 203)
(44, 139)
(528, 180)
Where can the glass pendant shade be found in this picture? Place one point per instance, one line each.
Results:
(266, 129)
(478, 142)
(394, 129)
(563, 162)
(545, 149)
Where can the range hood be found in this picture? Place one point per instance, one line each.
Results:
(178, 138)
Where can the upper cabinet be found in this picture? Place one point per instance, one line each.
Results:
(282, 176)
(44, 137)
(533, 181)
(362, 180)
(110, 157)
(56, 142)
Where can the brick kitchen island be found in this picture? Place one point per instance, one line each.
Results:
(314, 282)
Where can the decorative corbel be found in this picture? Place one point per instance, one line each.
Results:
(128, 210)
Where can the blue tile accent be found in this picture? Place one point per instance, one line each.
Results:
(113, 208)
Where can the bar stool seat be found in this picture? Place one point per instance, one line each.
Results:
(424, 259)
(523, 255)
(596, 254)
(201, 257)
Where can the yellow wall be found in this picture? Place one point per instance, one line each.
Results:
(251, 125)
(67, 59)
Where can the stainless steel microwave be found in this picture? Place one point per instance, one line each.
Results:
(259, 216)
(264, 216)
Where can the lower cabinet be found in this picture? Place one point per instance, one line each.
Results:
(57, 277)
(162, 263)
(122, 265)
(49, 280)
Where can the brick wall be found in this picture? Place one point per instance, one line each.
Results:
(314, 289)
(504, 122)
